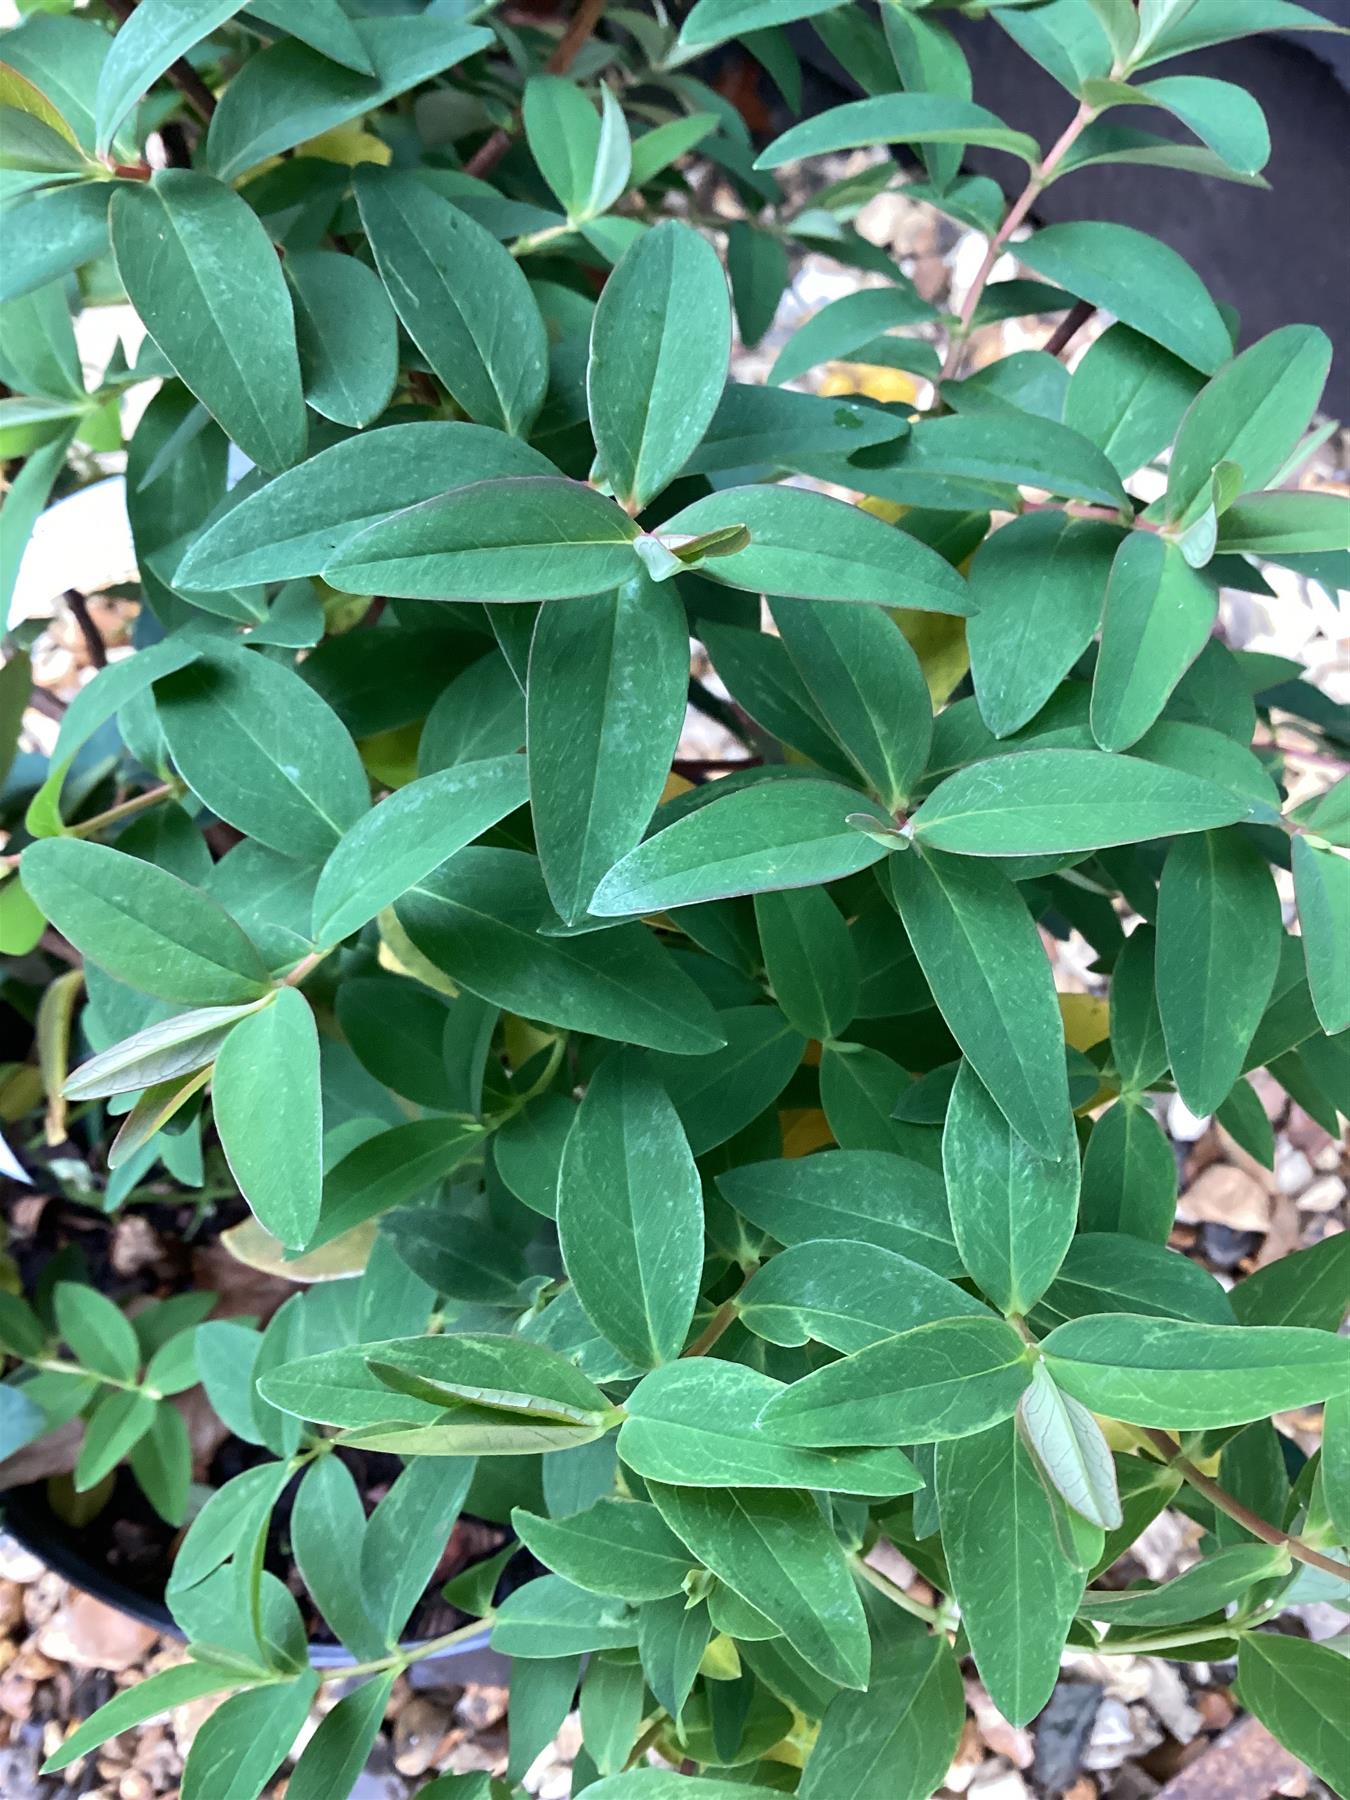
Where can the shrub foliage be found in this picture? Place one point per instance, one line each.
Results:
(702, 1172)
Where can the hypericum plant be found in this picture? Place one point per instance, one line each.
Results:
(709, 1150)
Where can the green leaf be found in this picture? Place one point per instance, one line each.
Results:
(897, 1741)
(604, 708)
(50, 231)
(1219, 932)
(143, 925)
(462, 297)
(810, 547)
(1297, 1691)
(869, 687)
(334, 1757)
(1206, 1587)
(400, 842)
(981, 954)
(758, 266)
(328, 1523)
(775, 1549)
(665, 1784)
(159, 1055)
(476, 919)
(1129, 1175)
(1013, 1212)
(132, 1706)
(548, 1617)
(1252, 414)
(898, 119)
(161, 1461)
(1158, 616)
(720, 1094)
(776, 834)
(1285, 524)
(296, 524)
(268, 1111)
(347, 335)
(1043, 802)
(1307, 1287)
(939, 1381)
(648, 408)
(40, 351)
(1140, 280)
(866, 1196)
(1109, 1272)
(847, 1295)
(203, 274)
(513, 540)
(288, 93)
(1039, 585)
(1188, 1376)
(1016, 1588)
(630, 1214)
(615, 1546)
(1002, 448)
(810, 959)
(406, 1537)
(1225, 117)
(1128, 395)
(853, 323)
(145, 47)
(1070, 1450)
(24, 503)
(388, 1169)
(245, 1741)
(1322, 888)
(112, 1429)
(665, 144)
(583, 157)
(697, 1423)
(264, 751)
(1137, 1043)
(319, 23)
(781, 428)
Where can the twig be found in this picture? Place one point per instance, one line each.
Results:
(93, 637)
(722, 1320)
(579, 28)
(127, 809)
(306, 966)
(1018, 211)
(1078, 509)
(181, 73)
(897, 1595)
(1243, 1515)
(1068, 328)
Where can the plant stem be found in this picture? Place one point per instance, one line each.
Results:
(181, 73)
(1080, 509)
(54, 1365)
(1177, 1640)
(400, 1659)
(1014, 216)
(138, 803)
(306, 966)
(93, 637)
(1068, 328)
(1243, 1515)
(579, 28)
(721, 1321)
(884, 1585)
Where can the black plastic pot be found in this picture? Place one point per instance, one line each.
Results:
(25, 1515)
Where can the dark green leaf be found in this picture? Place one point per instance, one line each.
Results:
(1128, 395)
(847, 1295)
(346, 333)
(462, 297)
(898, 119)
(1322, 887)
(810, 959)
(1297, 1691)
(143, 925)
(1190, 1376)
(476, 919)
(648, 407)
(1013, 1212)
(1218, 950)
(604, 708)
(203, 275)
(983, 959)
(630, 1214)
(266, 1100)
(776, 1551)
(1159, 611)
(616, 1546)
(1129, 1174)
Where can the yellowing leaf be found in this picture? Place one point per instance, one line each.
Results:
(721, 1660)
(252, 1244)
(401, 956)
(939, 642)
(349, 144)
(1085, 1019)
(804, 1130)
(18, 91)
(391, 756)
(675, 786)
(872, 379)
(523, 1040)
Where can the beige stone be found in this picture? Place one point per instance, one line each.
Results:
(1225, 1195)
(89, 1635)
